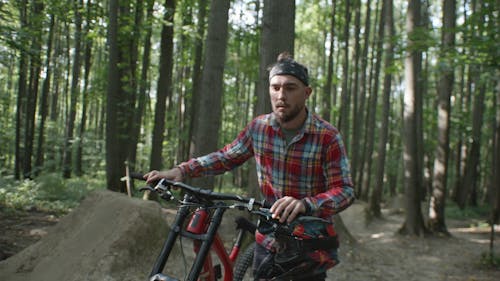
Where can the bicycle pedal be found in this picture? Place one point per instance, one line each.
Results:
(161, 277)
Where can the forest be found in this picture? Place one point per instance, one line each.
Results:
(90, 89)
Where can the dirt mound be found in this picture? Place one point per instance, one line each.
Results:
(108, 237)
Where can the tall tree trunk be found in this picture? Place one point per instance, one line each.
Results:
(376, 197)
(326, 114)
(164, 85)
(75, 91)
(21, 92)
(436, 221)
(278, 35)
(495, 167)
(206, 132)
(119, 103)
(471, 174)
(413, 224)
(87, 63)
(44, 98)
(372, 111)
(35, 65)
(366, 80)
(133, 49)
(358, 101)
(143, 83)
(345, 107)
(198, 58)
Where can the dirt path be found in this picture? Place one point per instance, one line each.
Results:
(378, 255)
(383, 255)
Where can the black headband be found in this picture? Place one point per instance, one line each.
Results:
(290, 67)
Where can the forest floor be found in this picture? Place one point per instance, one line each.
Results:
(378, 254)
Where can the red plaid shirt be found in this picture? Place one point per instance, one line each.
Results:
(313, 166)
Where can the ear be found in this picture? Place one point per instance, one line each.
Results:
(308, 92)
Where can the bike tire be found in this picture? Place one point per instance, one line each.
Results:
(243, 265)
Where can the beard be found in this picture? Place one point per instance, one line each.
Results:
(284, 117)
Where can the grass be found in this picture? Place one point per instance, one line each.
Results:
(481, 212)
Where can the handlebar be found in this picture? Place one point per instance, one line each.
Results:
(266, 224)
(163, 186)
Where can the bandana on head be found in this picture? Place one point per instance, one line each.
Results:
(290, 67)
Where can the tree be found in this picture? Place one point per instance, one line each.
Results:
(21, 92)
(119, 103)
(345, 107)
(206, 130)
(44, 99)
(278, 35)
(436, 221)
(143, 85)
(75, 91)
(327, 88)
(413, 224)
(35, 64)
(376, 197)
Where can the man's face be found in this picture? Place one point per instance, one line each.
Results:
(288, 97)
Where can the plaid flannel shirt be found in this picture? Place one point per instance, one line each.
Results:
(313, 166)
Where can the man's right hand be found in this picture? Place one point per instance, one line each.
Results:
(174, 174)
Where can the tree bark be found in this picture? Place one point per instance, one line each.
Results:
(164, 85)
(436, 221)
(278, 35)
(119, 103)
(326, 114)
(196, 74)
(376, 197)
(75, 91)
(35, 66)
(345, 106)
(44, 98)
(21, 92)
(413, 224)
(206, 132)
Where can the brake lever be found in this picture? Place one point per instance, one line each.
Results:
(147, 188)
(163, 191)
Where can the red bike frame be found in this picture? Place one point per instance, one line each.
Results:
(198, 225)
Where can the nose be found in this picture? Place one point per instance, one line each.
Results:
(280, 94)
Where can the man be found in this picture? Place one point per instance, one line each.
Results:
(302, 168)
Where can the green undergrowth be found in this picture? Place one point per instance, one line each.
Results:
(48, 193)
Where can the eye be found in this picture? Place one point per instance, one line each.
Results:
(275, 88)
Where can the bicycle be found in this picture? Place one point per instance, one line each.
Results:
(205, 209)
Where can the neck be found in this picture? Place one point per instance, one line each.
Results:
(295, 123)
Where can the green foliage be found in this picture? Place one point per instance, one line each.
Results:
(479, 212)
(490, 260)
(48, 192)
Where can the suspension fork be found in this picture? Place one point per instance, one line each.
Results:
(206, 240)
(176, 229)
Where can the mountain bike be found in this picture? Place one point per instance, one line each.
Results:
(205, 210)
(198, 218)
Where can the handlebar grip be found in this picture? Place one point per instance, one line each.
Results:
(266, 204)
(137, 176)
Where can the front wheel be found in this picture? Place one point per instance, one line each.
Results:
(243, 266)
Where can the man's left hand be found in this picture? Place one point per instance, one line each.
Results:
(287, 209)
